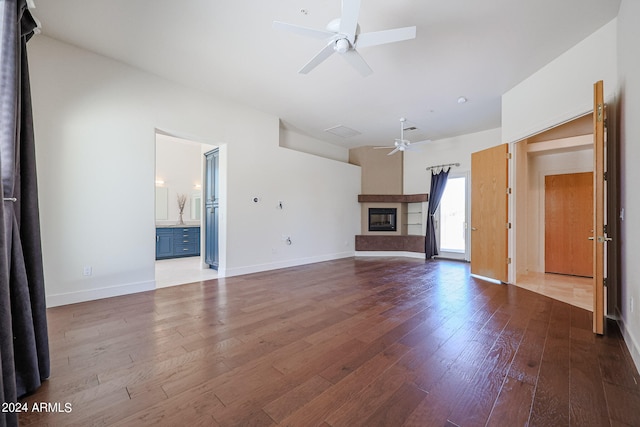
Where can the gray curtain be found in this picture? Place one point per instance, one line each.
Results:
(24, 344)
(438, 183)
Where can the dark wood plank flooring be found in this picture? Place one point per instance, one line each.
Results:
(371, 342)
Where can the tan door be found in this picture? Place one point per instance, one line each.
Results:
(489, 210)
(568, 213)
(599, 202)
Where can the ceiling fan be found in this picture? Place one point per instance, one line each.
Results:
(402, 144)
(343, 36)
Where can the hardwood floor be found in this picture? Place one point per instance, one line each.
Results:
(372, 342)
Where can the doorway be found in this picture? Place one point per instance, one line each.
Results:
(180, 172)
(563, 151)
(452, 218)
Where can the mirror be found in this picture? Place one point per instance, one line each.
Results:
(196, 205)
(162, 203)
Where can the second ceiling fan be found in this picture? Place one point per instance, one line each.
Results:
(402, 144)
(343, 36)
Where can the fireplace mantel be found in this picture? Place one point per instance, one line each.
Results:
(392, 198)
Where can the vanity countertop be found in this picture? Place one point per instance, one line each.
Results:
(176, 225)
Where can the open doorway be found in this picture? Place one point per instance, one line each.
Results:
(564, 153)
(179, 211)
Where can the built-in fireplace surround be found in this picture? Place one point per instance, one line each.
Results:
(407, 234)
(383, 219)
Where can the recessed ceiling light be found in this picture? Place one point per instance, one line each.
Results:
(462, 100)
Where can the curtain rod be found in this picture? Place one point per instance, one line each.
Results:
(443, 166)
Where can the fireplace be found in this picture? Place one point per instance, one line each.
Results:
(382, 219)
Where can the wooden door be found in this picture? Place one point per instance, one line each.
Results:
(568, 221)
(489, 213)
(600, 237)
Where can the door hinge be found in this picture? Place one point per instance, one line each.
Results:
(600, 113)
(509, 156)
(508, 226)
(508, 190)
(508, 260)
(606, 176)
(604, 282)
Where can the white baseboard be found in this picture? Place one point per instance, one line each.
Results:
(256, 268)
(93, 294)
(388, 254)
(632, 344)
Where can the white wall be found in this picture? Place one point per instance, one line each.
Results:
(563, 89)
(95, 122)
(417, 179)
(629, 137)
(306, 144)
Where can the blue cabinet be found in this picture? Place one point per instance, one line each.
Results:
(164, 243)
(175, 242)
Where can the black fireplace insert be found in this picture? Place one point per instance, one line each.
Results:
(382, 219)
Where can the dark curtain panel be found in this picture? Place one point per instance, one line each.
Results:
(438, 182)
(24, 345)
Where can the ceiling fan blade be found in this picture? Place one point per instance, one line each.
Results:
(303, 31)
(387, 36)
(384, 148)
(357, 62)
(349, 18)
(316, 60)
(395, 150)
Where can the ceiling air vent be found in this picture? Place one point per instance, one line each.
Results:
(342, 131)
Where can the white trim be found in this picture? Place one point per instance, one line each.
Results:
(94, 294)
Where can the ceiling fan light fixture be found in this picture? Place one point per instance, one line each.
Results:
(341, 45)
(462, 100)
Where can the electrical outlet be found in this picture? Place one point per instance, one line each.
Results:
(87, 270)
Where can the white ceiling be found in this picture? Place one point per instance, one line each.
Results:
(472, 48)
